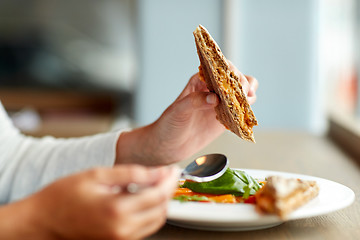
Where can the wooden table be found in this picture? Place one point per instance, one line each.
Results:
(294, 152)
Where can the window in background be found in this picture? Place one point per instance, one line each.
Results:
(56, 44)
(339, 61)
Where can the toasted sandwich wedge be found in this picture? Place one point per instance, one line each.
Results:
(233, 111)
(281, 196)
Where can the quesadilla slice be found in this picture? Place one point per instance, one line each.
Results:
(281, 196)
(233, 111)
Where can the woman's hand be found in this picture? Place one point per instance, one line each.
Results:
(89, 205)
(185, 127)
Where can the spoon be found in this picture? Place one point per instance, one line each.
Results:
(203, 169)
(206, 168)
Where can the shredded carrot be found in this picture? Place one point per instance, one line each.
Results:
(183, 191)
(226, 198)
(219, 198)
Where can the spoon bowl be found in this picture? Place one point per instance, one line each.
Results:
(206, 168)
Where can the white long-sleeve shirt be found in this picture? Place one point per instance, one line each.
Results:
(27, 164)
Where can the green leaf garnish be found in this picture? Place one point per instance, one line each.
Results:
(235, 182)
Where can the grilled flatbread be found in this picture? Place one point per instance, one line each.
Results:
(281, 196)
(234, 111)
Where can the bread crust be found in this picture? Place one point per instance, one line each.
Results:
(233, 111)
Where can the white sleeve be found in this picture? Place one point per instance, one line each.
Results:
(27, 164)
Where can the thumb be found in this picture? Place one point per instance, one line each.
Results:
(197, 101)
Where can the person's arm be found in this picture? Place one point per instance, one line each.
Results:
(27, 164)
(89, 205)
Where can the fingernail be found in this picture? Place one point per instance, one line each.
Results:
(211, 98)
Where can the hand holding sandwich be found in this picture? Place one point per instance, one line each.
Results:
(219, 95)
(185, 127)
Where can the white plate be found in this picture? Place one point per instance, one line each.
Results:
(240, 217)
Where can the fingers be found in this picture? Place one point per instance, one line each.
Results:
(248, 83)
(152, 196)
(245, 84)
(152, 218)
(194, 85)
(234, 69)
(150, 221)
(253, 86)
(145, 212)
(142, 224)
(197, 101)
(122, 175)
(243, 80)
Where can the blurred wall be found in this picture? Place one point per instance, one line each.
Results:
(167, 51)
(280, 47)
(277, 44)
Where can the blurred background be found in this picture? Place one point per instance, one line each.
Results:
(81, 67)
